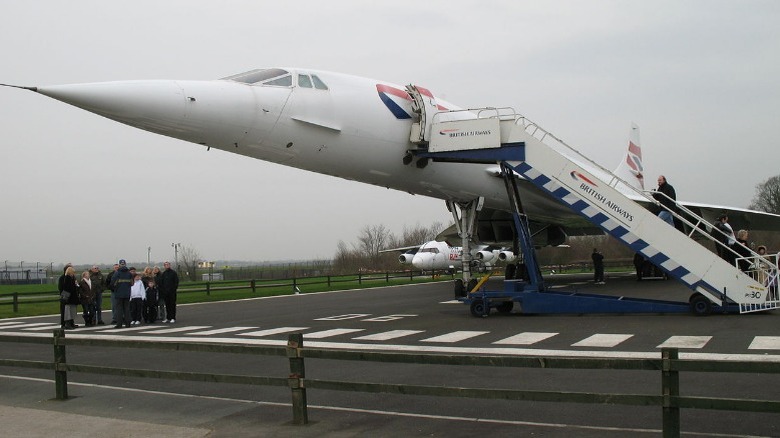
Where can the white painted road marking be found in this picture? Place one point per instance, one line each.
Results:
(275, 331)
(162, 331)
(386, 336)
(602, 340)
(343, 317)
(329, 333)
(44, 327)
(25, 324)
(765, 343)
(454, 336)
(220, 331)
(388, 318)
(526, 338)
(686, 342)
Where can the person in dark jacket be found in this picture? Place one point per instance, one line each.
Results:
(169, 282)
(667, 197)
(742, 248)
(110, 287)
(98, 285)
(70, 297)
(598, 266)
(121, 282)
(87, 290)
(160, 299)
(60, 284)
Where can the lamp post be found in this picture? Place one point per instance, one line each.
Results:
(176, 247)
(148, 255)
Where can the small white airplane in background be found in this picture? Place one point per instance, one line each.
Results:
(345, 126)
(440, 256)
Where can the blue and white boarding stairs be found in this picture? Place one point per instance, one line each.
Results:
(551, 165)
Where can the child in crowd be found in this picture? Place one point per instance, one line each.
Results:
(137, 297)
(150, 305)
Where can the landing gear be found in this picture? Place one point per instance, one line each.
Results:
(700, 305)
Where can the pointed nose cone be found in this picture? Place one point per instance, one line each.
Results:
(213, 113)
(151, 105)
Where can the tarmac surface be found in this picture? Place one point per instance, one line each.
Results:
(108, 412)
(127, 407)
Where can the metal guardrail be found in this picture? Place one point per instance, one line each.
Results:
(670, 365)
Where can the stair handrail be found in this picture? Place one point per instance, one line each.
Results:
(527, 125)
(539, 133)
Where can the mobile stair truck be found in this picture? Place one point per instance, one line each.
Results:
(525, 151)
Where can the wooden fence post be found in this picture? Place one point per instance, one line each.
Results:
(208, 289)
(670, 381)
(254, 285)
(16, 302)
(296, 379)
(60, 376)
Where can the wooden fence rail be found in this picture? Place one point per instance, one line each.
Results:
(669, 365)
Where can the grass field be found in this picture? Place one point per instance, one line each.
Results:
(37, 299)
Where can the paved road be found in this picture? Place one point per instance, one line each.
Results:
(413, 318)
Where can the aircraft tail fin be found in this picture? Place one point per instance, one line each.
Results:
(631, 169)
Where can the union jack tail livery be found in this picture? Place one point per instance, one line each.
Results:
(631, 169)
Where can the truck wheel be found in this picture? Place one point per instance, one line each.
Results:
(478, 309)
(700, 305)
(505, 307)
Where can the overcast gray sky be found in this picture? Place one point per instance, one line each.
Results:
(701, 79)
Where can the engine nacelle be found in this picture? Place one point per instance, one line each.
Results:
(405, 258)
(484, 256)
(507, 256)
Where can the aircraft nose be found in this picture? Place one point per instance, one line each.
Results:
(142, 104)
(213, 113)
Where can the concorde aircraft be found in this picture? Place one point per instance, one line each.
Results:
(341, 125)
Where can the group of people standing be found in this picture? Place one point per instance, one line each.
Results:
(731, 247)
(149, 295)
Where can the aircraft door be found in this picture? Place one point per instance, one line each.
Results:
(270, 102)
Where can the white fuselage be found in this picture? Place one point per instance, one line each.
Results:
(346, 130)
(436, 255)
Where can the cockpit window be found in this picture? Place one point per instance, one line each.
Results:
(255, 76)
(277, 77)
(284, 81)
(318, 84)
(304, 81)
(431, 250)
